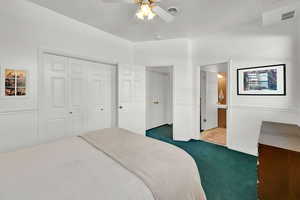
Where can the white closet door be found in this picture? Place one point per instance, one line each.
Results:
(55, 113)
(99, 108)
(77, 85)
(132, 98)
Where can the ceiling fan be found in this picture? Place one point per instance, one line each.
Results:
(147, 9)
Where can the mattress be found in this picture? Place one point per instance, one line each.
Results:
(75, 169)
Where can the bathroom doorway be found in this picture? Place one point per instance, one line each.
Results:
(214, 103)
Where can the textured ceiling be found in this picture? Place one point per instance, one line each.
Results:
(196, 17)
(273, 4)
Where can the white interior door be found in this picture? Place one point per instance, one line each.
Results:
(55, 112)
(77, 85)
(202, 99)
(132, 98)
(211, 100)
(99, 106)
(156, 99)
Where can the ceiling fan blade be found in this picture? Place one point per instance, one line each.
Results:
(119, 1)
(163, 14)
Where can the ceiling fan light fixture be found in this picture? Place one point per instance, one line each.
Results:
(145, 10)
(151, 15)
(140, 15)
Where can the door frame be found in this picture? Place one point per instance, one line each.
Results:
(229, 86)
(40, 78)
(172, 91)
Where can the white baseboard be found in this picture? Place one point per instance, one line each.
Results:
(253, 152)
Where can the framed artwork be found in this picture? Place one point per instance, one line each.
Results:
(15, 82)
(263, 80)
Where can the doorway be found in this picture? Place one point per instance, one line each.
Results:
(159, 97)
(214, 103)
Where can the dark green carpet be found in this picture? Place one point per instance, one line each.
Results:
(225, 174)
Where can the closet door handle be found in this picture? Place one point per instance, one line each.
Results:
(71, 113)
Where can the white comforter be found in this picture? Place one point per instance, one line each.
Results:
(69, 169)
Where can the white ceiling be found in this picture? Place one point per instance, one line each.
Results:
(267, 5)
(196, 17)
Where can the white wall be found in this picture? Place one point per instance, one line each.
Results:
(254, 46)
(26, 27)
(174, 53)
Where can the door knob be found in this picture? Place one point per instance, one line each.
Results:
(120, 107)
(71, 112)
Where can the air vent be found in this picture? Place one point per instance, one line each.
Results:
(280, 15)
(173, 11)
(288, 15)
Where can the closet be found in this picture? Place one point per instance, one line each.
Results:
(75, 96)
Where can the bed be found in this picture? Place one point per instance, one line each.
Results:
(110, 164)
